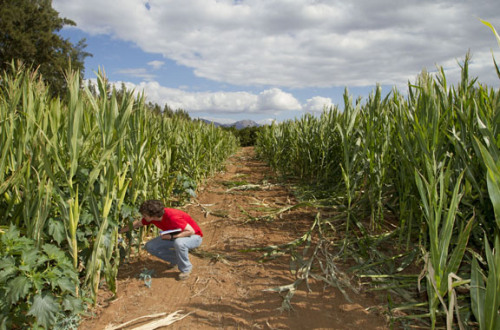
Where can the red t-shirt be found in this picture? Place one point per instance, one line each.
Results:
(173, 219)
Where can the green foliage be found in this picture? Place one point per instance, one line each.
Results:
(155, 108)
(424, 170)
(38, 285)
(308, 148)
(485, 294)
(247, 136)
(179, 113)
(73, 170)
(488, 24)
(184, 188)
(28, 32)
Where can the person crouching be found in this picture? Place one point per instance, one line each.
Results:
(183, 234)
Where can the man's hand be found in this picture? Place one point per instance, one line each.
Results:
(167, 236)
(129, 227)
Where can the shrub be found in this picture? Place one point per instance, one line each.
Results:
(38, 285)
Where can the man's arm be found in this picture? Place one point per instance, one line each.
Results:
(188, 231)
(136, 224)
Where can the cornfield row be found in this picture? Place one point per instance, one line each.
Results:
(418, 172)
(71, 172)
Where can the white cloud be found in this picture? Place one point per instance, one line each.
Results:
(156, 64)
(272, 101)
(318, 104)
(267, 121)
(139, 73)
(299, 44)
(276, 99)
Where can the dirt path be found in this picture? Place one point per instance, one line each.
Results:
(226, 288)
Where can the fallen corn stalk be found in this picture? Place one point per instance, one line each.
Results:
(167, 320)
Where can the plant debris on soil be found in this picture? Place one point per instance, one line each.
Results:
(229, 287)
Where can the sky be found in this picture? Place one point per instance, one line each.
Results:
(228, 60)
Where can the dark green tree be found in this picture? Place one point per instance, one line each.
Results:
(155, 108)
(29, 32)
(168, 111)
(179, 113)
(247, 136)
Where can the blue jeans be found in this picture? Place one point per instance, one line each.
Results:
(176, 252)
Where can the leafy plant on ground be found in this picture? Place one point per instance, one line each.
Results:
(184, 188)
(38, 285)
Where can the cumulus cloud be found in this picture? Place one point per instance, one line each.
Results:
(276, 99)
(272, 101)
(299, 44)
(318, 104)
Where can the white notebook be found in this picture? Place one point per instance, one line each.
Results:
(171, 231)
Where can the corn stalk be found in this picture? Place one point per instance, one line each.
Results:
(350, 138)
(68, 166)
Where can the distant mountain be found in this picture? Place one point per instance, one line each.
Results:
(238, 125)
(244, 123)
(210, 122)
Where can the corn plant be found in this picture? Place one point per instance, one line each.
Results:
(68, 166)
(350, 162)
(440, 215)
(376, 141)
(429, 158)
(485, 298)
(404, 152)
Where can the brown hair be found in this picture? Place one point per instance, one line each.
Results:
(152, 208)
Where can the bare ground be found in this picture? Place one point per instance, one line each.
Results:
(227, 287)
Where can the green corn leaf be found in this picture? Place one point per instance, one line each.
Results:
(4, 321)
(447, 229)
(488, 24)
(459, 250)
(492, 298)
(18, 288)
(44, 310)
(13, 180)
(493, 180)
(496, 67)
(493, 183)
(423, 192)
(6, 148)
(477, 292)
